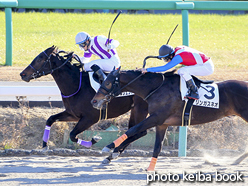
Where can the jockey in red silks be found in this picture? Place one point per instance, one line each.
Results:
(196, 63)
(103, 48)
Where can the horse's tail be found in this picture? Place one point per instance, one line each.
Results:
(239, 93)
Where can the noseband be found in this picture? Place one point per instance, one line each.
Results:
(113, 91)
(39, 73)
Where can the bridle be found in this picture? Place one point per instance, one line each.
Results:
(115, 89)
(38, 73)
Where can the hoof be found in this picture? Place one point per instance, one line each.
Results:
(150, 170)
(115, 155)
(45, 148)
(240, 159)
(106, 149)
(106, 161)
(95, 139)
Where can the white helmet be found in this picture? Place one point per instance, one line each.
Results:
(81, 37)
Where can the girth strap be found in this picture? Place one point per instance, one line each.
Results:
(186, 116)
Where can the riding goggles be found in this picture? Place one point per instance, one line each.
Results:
(166, 56)
(165, 59)
(83, 44)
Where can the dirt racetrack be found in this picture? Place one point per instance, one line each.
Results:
(88, 170)
(23, 130)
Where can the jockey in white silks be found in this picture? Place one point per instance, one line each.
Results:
(103, 48)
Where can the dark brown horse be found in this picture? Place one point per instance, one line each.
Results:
(165, 105)
(77, 93)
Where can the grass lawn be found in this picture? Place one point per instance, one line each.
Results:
(222, 37)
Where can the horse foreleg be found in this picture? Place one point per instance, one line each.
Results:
(125, 144)
(63, 116)
(149, 122)
(118, 150)
(160, 133)
(82, 125)
(138, 114)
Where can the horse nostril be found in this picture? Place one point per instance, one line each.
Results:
(94, 101)
(22, 74)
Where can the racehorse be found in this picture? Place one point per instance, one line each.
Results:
(165, 105)
(77, 93)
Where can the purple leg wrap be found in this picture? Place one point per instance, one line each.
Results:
(46, 134)
(84, 143)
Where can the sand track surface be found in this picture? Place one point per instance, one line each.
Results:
(86, 170)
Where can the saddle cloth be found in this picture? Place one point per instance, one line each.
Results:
(208, 93)
(95, 85)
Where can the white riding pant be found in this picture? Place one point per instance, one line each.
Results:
(104, 64)
(204, 69)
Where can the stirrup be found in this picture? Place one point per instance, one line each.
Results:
(190, 96)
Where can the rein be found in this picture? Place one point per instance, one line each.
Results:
(39, 73)
(107, 95)
(132, 81)
(155, 89)
(79, 87)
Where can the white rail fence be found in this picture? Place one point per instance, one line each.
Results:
(29, 91)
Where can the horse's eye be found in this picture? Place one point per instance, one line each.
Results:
(107, 83)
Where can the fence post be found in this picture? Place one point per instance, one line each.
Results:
(182, 144)
(9, 34)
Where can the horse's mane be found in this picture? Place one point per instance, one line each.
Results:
(76, 65)
(56, 50)
(171, 73)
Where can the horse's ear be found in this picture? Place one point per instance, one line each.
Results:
(53, 47)
(119, 69)
(113, 69)
(116, 72)
(56, 49)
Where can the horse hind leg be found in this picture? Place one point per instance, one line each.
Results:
(240, 159)
(244, 115)
(160, 133)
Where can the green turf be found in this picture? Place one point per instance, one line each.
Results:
(222, 37)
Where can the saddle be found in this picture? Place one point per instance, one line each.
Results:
(199, 81)
(209, 97)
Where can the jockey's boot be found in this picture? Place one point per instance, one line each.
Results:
(98, 71)
(192, 90)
